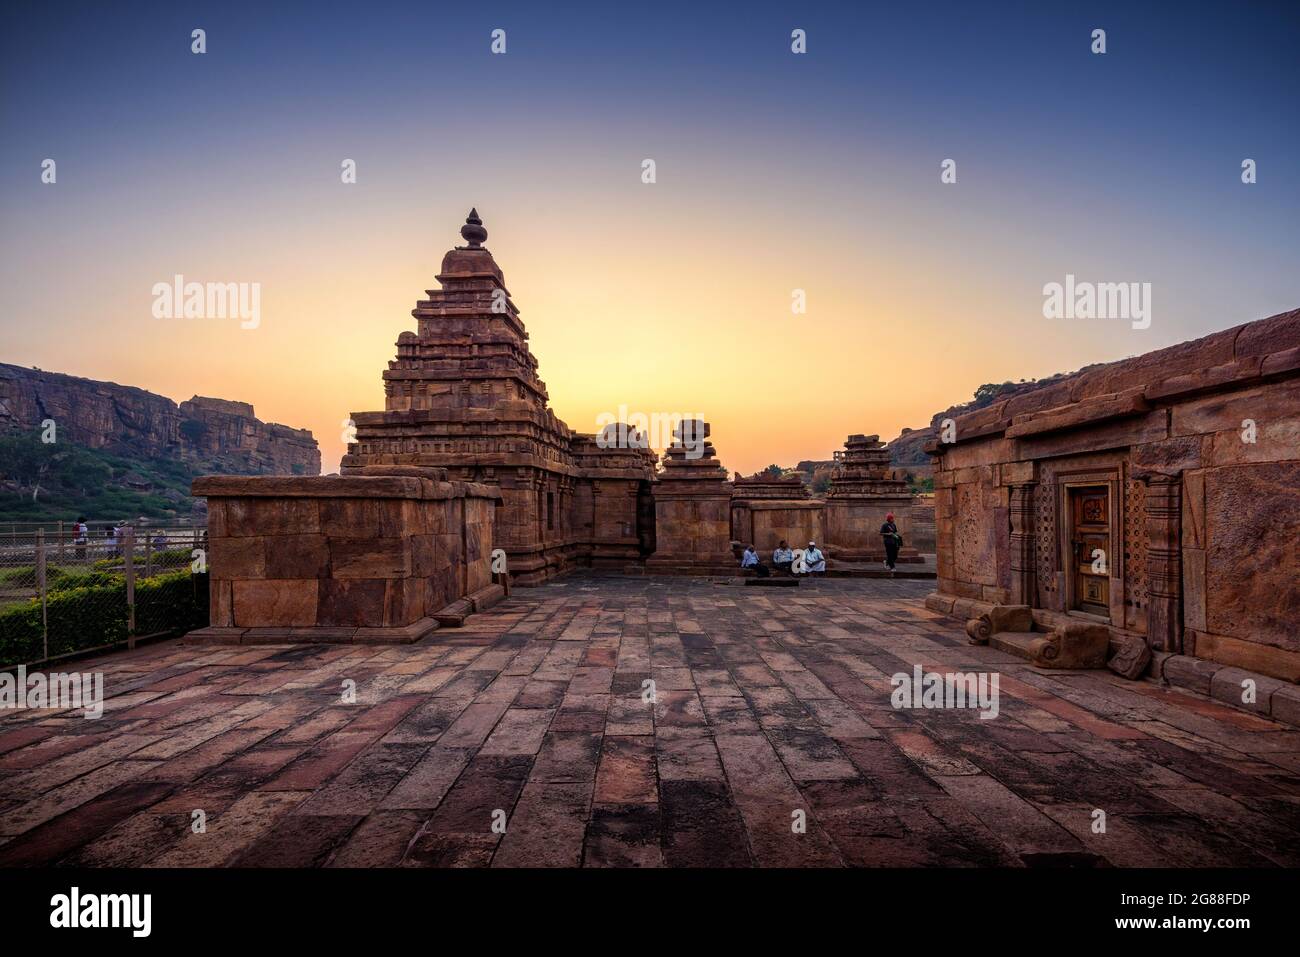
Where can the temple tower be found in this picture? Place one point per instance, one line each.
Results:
(861, 494)
(464, 394)
(692, 499)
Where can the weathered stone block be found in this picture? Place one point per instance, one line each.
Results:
(1194, 674)
(271, 516)
(356, 602)
(236, 558)
(1244, 689)
(297, 556)
(273, 602)
(1285, 704)
(369, 558)
(1072, 645)
(1131, 660)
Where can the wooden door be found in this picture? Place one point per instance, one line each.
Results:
(1090, 549)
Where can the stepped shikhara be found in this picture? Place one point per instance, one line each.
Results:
(861, 495)
(464, 394)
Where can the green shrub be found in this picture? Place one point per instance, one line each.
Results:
(20, 633)
(26, 575)
(176, 601)
(92, 615)
(172, 556)
(94, 579)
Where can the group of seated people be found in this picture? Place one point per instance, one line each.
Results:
(814, 562)
(783, 558)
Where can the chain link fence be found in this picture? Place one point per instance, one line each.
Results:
(66, 590)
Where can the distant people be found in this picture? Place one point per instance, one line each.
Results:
(110, 541)
(814, 559)
(893, 541)
(783, 557)
(750, 560)
(80, 532)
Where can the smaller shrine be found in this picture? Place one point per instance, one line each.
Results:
(861, 494)
(768, 509)
(692, 500)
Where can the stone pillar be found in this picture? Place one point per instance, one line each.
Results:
(1164, 508)
(1024, 573)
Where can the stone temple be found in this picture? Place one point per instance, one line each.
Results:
(1142, 515)
(464, 395)
(467, 458)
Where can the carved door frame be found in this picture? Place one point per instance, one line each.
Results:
(1090, 477)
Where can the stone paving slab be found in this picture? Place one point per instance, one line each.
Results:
(621, 722)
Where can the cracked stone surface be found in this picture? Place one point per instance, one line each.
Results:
(526, 738)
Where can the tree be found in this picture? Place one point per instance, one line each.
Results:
(25, 459)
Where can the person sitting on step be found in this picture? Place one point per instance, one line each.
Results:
(783, 557)
(815, 560)
(750, 560)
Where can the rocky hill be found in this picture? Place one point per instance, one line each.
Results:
(213, 435)
(124, 453)
(909, 448)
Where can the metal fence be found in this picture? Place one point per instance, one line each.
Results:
(63, 592)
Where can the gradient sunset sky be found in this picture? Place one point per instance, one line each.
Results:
(775, 172)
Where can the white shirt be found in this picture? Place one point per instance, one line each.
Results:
(815, 559)
(783, 555)
(749, 559)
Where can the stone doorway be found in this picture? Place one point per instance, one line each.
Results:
(1090, 549)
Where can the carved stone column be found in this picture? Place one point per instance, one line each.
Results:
(1164, 512)
(1024, 579)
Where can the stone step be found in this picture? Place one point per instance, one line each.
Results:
(1016, 643)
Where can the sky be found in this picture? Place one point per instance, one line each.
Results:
(774, 172)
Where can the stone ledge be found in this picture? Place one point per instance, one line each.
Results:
(397, 635)
(1226, 686)
(1100, 408)
(340, 486)
(1274, 698)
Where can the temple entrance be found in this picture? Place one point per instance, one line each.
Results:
(1090, 550)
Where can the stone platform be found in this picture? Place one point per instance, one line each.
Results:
(765, 705)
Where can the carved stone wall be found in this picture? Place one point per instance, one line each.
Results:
(1197, 446)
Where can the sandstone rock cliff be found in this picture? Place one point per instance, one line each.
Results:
(211, 434)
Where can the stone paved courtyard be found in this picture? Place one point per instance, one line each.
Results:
(769, 701)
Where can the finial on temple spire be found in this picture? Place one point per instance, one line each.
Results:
(473, 232)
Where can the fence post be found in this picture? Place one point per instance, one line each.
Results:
(128, 541)
(148, 556)
(40, 585)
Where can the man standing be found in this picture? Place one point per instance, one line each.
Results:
(893, 541)
(79, 533)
